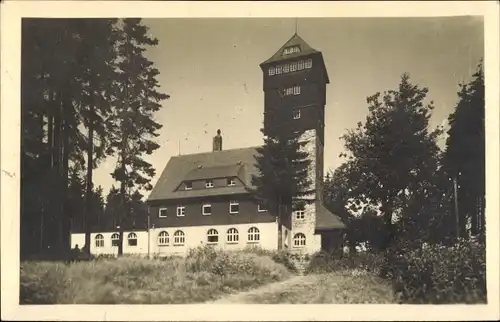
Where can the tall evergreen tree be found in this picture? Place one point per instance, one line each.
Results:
(137, 99)
(464, 157)
(283, 182)
(393, 156)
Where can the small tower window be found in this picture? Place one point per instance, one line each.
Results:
(299, 214)
(309, 63)
(272, 70)
(279, 69)
(300, 65)
(296, 114)
(293, 66)
(291, 50)
(296, 90)
(286, 68)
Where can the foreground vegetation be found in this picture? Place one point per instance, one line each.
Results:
(205, 274)
(436, 274)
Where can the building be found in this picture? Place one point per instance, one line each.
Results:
(203, 198)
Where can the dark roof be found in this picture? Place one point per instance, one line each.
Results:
(305, 49)
(326, 220)
(234, 162)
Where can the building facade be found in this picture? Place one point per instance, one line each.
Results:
(204, 198)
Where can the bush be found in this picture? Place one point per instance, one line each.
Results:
(438, 274)
(203, 275)
(281, 256)
(324, 262)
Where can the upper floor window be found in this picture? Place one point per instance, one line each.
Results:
(179, 238)
(181, 211)
(296, 90)
(286, 68)
(309, 63)
(300, 65)
(162, 213)
(99, 240)
(279, 69)
(231, 182)
(163, 238)
(132, 239)
(292, 91)
(188, 185)
(232, 235)
(299, 240)
(272, 70)
(299, 214)
(296, 114)
(291, 50)
(206, 209)
(209, 184)
(293, 66)
(234, 207)
(115, 240)
(212, 236)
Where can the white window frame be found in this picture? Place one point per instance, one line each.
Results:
(300, 214)
(253, 235)
(279, 69)
(233, 236)
(260, 208)
(299, 240)
(99, 240)
(114, 237)
(163, 238)
(308, 63)
(234, 203)
(293, 66)
(207, 205)
(296, 114)
(286, 68)
(272, 71)
(181, 211)
(190, 187)
(288, 91)
(296, 90)
(159, 213)
(179, 238)
(132, 236)
(212, 233)
(231, 182)
(209, 183)
(300, 65)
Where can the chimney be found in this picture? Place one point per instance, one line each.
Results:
(217, 142)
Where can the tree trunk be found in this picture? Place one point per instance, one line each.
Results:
(280, 228)
(66, 215)
(89, 187)
(123, 209)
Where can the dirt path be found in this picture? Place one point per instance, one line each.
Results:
(317, 289)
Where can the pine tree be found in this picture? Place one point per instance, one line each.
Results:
(283, 181)
(137, 99)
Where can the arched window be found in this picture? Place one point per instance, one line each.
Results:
(115, 240)
(99, 240)
(253, 234)
(212, 236)
(299, 240)
(163, 238)
(132, 239)
(179, 238)
(232, 235)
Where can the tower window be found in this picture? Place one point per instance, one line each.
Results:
(293, 66)
(279, 69)
(272, 70)
(296, 90)
(300, 65)
(309, 63)
(286, 68)
(299, 214)
(291, 50)
(296, 114)
(289, 91)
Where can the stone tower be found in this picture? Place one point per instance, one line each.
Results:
(295, 78)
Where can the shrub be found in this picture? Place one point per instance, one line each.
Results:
(324, 262)
(438, 273)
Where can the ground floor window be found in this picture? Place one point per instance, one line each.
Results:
(163, 238)
(253, 234)
(299, 240)
(179, 238)
(232, 235)
(99, 240)
(132, 239)
(212, 236)
(115, 240)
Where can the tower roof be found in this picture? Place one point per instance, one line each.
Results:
(295, 40)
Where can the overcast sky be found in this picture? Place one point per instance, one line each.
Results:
(210, 68)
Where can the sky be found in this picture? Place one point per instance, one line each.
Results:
(210, 69)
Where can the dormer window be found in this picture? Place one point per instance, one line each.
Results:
(261, 208)
(188, 185)
(231, 182)
(291, 50)
(209, 184)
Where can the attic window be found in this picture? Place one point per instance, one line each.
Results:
(231, 182)
(188, 185)
(291, 50)
(209, 184)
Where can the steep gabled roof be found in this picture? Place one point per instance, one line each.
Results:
(225, 163)
(305, 50)
(326, 220)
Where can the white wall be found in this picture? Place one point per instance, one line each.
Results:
(194, 236)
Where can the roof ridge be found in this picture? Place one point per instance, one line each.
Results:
(210, 152)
